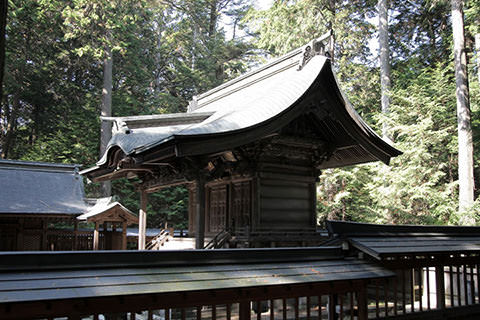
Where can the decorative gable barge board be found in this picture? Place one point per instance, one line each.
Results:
(135, 122)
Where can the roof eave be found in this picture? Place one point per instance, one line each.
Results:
(365, 135)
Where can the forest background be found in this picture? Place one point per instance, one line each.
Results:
(165, 51)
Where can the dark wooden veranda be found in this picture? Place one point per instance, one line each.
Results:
(436, 268)
(220, 284)
(365, 272)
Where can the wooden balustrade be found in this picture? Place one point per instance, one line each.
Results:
(66, 240)
(417, 290)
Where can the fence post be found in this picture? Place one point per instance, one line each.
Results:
(244, 310)
(440, 285)
(332, 307)
(362, 302)
(96, 236)
(142, 221)
(200, 213)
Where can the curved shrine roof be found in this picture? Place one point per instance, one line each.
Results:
(253, 106)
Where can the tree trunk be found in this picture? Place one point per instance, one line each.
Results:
(3, 25)
(11, 126)
(465, 144)
(212, 26)
(384, 64)
(194, 52)
(477, 48)
(158, 55)
(106, 128)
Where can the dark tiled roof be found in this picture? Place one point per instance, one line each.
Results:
(252, 107)
(40, 188)
(104, 274)
(382, 241)
(237, 105)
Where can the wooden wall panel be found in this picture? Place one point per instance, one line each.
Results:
(229, 205)
(217, 206)
(274, 190)
(241, 206)
(271, 201)
(286, 204)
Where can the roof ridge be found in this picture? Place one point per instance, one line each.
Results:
(124, 124)
(38, 166)
(307, 51)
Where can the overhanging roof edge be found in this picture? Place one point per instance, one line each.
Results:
(379, 147)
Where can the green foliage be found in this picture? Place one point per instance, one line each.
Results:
(420, 32)
(46, 88)
(424, 123)
(166, 52)
(163, 54)
(290, 24)
(169, 205)
(419, 186)
(344, 194)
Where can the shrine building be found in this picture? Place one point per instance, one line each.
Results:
(250, 150)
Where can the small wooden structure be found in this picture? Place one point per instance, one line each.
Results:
(109, 213)
(34, 195)
(37, 196)
(249, 150)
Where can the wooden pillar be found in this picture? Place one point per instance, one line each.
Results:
(200, 214)
(191, 210)
(362, 303)
(96, 236)
(142, 220)
(44, 235)
(124, 235)
(20, 246)
(75, 234)
(332, 307)
(440, 280)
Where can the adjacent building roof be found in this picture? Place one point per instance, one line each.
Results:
(249, 108)
(51, 276)
(107, 210)
(40, 188)
(385, 241)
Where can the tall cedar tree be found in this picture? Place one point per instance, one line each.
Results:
(384, 49)
(465, 142)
